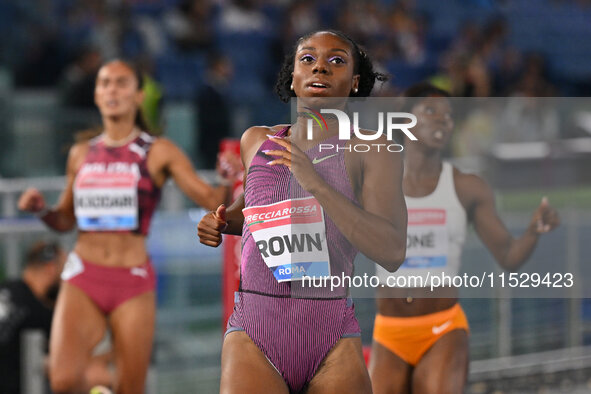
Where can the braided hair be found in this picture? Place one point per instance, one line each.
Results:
(363, 67)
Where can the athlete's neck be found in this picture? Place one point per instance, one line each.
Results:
(119, 133)
(299, 131)
(418, 165)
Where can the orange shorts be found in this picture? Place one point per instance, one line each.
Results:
(410, 337)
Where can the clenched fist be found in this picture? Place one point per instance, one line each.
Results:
(31, 201)
(212, 225)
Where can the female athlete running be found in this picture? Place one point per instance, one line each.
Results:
(283, 337)
(113, 187)
(421, 344)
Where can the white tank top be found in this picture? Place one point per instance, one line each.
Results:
(435, 234)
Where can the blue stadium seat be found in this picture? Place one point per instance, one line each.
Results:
(181, 75)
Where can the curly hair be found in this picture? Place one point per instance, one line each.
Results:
(363, 66)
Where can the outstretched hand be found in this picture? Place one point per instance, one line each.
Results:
(545, 218)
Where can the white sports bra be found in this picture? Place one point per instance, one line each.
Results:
(435, 235)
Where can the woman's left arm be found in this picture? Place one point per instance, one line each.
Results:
(377, 228)
(508, 251)
(167, 160)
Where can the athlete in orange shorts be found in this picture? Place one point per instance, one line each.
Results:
(421, 344)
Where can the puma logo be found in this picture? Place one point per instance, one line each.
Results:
(139, 271)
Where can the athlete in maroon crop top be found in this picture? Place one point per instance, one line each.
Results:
(113, 187)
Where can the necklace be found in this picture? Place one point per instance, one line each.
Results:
(116, 143)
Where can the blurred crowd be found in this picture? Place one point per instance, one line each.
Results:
(223, 55)
(62, 42)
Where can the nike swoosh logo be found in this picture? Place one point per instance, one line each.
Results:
(439, 329)
(317, 160)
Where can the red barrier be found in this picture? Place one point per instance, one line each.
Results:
(366, 354)
(231, 247)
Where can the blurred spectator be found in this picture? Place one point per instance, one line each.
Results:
(243, 16)
(533, 81)
(528, 119)
(213, 108)
(466, 40)
(408, 33)
(477, 80)
(25, 304)
(152, 104)
(508, 72)
(189, 25)
(120, 33)
(493, 42)
(77, 86)
(76, 91)
(464, 76)
(79, 22)
(475, 134)
(363, 21)
(301, 18)
(41, 60)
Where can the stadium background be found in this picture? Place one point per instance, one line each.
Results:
(50, 51)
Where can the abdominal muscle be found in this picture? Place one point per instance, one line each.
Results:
(112, 249)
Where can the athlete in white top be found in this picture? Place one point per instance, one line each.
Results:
(421, 343)
(435, 235)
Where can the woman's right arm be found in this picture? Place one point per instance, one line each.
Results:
(230, 220)
(60, 217)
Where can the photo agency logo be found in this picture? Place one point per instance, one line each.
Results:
(388, 127)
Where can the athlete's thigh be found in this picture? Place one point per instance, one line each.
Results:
(389, 373)
(444, 367)
(245, 369)
(132, 324)
(343, 370)
(78, 326)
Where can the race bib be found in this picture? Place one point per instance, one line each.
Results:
(106, 200)
(426, 239)
(291, 237)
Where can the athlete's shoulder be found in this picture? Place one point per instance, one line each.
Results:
(79, 150)
(257, 133)
(470, 187)
(77, 155)
(467, 179)
(162, 143)
(163, 151)
(263, 130)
